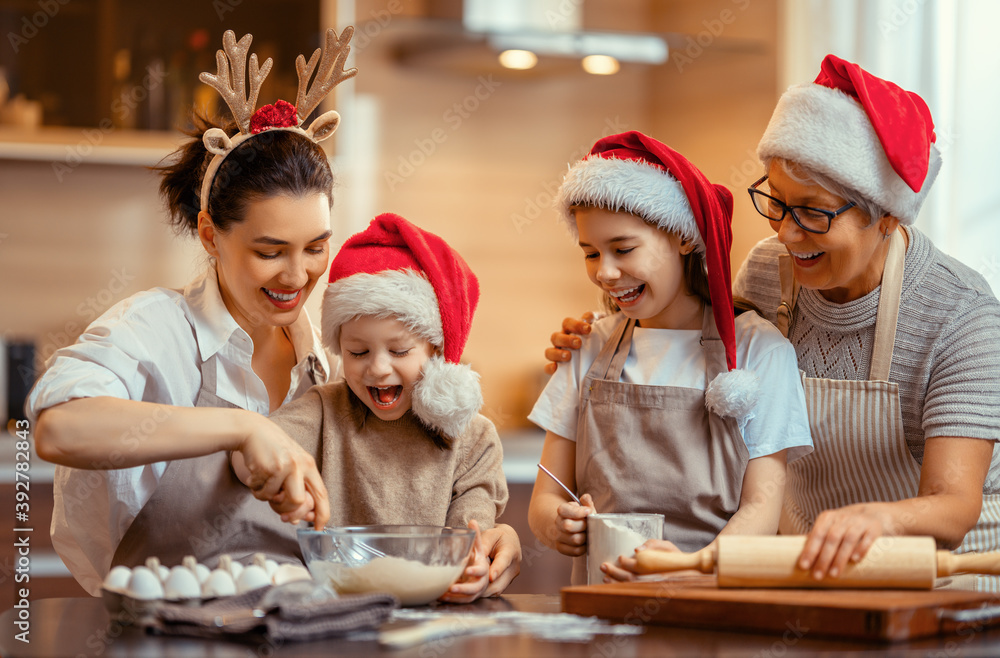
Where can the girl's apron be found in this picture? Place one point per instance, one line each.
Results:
(201, 508)
(657, 449)
(857, 429)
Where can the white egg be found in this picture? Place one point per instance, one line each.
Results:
(144, 585)
(202, 572)
(235, 568)
(219, 583)
(287, 573)
(117, 579)
(252, 577)
(182, 584)
(162, 572)
(270, 566)
(199, 570)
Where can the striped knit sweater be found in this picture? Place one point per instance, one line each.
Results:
(946, 358)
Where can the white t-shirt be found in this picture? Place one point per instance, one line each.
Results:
(674, 357)
(150, 348)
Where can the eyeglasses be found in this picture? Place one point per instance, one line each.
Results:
(814, 220)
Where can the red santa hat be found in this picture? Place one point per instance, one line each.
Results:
(635, 173)
(864, 132)
(394, 269)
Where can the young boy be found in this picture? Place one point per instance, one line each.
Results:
(400, 439)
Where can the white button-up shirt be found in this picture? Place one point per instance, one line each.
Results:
(150, 347)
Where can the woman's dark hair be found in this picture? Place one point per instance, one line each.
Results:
(272, 163)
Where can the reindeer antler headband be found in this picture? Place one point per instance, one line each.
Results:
(230, 81)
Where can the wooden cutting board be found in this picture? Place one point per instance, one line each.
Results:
(881, 615)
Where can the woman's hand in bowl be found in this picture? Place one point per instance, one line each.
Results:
(279, 470)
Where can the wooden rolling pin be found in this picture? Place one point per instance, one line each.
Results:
(753, 561)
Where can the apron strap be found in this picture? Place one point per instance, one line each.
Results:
(610, 361)
(888, 304)
(789, 294)
(888, 308)
(715, 351)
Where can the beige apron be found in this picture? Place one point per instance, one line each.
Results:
(657, 449)
(200, 508)
(857, 428)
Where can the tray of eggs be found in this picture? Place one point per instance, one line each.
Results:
(139, 589)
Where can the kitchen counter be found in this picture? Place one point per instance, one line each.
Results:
(82, 627)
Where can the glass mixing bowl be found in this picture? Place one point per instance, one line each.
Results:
(417, 563)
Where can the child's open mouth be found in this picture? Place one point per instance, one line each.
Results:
(385, 396)
(629, 296)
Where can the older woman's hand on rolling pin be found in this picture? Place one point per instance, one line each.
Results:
(278, 470)
(842, 536)
(569, 339)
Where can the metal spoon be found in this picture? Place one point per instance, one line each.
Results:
(559, 482)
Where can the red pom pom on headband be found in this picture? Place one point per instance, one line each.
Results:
(280, 115)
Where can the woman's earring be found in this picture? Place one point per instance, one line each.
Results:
(885, 235)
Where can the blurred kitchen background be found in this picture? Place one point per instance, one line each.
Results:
(463, 119)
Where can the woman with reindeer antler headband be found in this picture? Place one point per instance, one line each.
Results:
(170, 375)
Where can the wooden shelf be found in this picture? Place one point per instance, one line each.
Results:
(76, 146)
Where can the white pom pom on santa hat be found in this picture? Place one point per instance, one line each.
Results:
(733, 394)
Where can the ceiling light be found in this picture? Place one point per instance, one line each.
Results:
(600, 65)
(631, 47)
(518, 59)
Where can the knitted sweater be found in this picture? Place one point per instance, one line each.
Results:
(946, 358)
(380, 472)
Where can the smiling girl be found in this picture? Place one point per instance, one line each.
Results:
(674, 404)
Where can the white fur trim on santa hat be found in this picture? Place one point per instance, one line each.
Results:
(828, 132)
(733, 394)
(447, 396)
(636, 187)
(402, 294)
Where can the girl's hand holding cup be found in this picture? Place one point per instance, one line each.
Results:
(571, 525)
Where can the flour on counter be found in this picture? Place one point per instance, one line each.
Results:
(561, 627)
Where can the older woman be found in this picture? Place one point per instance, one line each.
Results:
(899, 343)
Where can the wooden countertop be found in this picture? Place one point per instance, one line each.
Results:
(82, 627)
